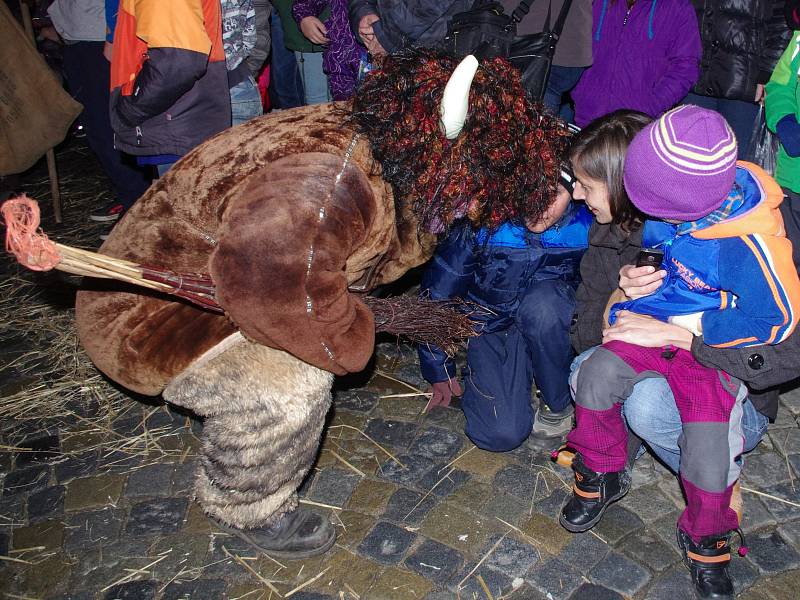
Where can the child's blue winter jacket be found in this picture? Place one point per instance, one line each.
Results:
(495, 273)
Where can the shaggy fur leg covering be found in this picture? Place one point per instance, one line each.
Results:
(264, 410)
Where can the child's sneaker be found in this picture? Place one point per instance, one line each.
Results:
(591, 495)
(708, 562)
(108, 214)
(549, 425)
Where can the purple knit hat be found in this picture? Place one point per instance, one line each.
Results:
(682, 165)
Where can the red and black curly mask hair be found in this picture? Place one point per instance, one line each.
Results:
(504, 166)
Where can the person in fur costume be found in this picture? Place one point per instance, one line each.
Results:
(292, 215)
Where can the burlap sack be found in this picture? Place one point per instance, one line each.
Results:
(35, 111)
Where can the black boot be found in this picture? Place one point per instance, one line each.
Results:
(591, 495)
(299, 534)
(708, 562)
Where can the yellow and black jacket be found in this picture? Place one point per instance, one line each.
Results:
(169, 86)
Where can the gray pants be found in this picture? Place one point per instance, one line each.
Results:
(264, 410)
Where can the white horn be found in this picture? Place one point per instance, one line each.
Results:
(455, 100)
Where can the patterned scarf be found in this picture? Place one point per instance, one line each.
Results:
(730, 205)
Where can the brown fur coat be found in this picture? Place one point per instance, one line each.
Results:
(284, 224)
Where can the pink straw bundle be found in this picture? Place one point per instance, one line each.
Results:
(32, 248)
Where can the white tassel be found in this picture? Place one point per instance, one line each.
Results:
(455, 100)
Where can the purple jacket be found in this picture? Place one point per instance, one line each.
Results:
(342, 54)
(647, 62)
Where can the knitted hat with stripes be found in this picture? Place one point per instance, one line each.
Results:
(682, 165)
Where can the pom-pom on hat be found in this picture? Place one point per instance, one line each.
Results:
(682, 165)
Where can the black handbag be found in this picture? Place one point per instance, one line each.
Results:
(488, 31)
(484, 26)
(533, 54)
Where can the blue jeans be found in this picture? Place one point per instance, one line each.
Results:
(245, 101)
(561, 81)
(315, 82)
(286, 87)
(651, 414)
(740, 115)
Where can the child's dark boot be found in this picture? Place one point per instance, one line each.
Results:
(708, 562)
(591, 494)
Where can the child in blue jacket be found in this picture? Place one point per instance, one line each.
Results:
(526, 277)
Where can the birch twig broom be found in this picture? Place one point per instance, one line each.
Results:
(443, 323)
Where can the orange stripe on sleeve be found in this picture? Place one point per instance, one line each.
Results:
(773, 287)
(780, 251)
(735, 342)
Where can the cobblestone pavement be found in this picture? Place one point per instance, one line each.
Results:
(95, 501)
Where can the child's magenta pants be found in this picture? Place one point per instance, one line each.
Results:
(710, 404)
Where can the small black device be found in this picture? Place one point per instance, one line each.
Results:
(650, 257)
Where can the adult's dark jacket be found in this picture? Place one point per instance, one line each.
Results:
(742, 41)
(406, 23)
(424, 23)
(762, 368)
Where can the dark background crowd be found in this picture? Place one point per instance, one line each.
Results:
(612, 54)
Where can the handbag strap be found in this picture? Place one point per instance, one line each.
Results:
(524, 7)
(562, 17)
